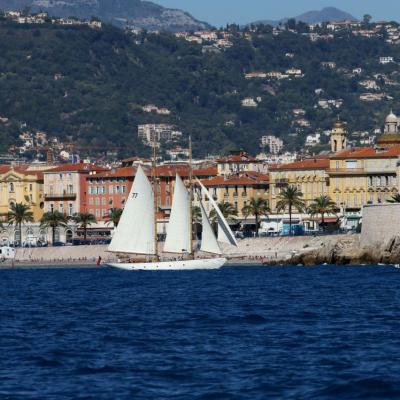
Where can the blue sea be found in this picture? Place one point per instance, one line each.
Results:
(238, 333)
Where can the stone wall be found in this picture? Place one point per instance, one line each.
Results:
(380, 224)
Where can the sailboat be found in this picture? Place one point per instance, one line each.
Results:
(136, 233)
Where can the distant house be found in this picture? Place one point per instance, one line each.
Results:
(386, 60)
(249, 102)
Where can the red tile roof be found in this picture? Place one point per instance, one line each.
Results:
(311, 163)
(236, 180)
(367, 152)
(124, 172)
(240, 158)
(81, 167)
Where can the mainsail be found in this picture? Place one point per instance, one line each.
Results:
(179, 229)
(135, 231)
(227, 235)
(209, 242)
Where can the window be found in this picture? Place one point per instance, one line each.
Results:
(123, 189)
(51, 207)
(30, 187)
(97, 201)
(11, 187)
(104, 213)
(117, 189)
(97, 213)
(61, 207)
(104, 201)
(51, 189)
(70, 209)
(70, 189)
(30, 198)
(111, 189)
(91, 211)
(337, 165)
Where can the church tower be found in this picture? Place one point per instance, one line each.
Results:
(338, 137)
(391, 124)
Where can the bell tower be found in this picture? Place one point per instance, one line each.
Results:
(338, 137)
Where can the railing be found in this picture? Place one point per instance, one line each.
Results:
(60, 196)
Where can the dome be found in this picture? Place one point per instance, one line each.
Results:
(391, 118)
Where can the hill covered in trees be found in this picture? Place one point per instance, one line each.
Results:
(89, 85)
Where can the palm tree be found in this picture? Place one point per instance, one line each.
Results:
(114, 215)
(18, 214)
(228, 210)
(290, 198)
(84, 220)
(395, 198)
(258, 208)
(53, 219)
(322, 205)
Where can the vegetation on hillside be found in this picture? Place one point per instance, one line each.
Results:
(87, 86)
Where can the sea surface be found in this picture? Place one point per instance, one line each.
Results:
(238, 333)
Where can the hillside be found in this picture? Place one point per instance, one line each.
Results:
(132, 13)
(327, 14)
(89, 86)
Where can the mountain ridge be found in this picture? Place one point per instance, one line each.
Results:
(122, 13)
(327, 14)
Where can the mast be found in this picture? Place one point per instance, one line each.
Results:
(155, 196)
(191, 252)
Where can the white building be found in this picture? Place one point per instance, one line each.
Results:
(249, 102)
(386, 60)
(274, 144)
(313, 139)
(154, 133)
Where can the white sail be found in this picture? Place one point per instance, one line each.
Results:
(209, 242)
(229, 237)
(179, 229)
(135, 231)
(222, 236)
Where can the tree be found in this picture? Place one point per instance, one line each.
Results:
(114, 215)
(322, 205)
(53, 219)
(290, 198)
(18, 214)
(258, 208)
(395, 198)
(227, 209)
(84, 220)
(367, 19)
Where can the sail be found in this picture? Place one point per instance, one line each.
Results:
(179, 229)
(222, 223)
(135, 231)
(209, 242)
(222, 236)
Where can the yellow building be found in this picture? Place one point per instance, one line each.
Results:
(238, 190)
(309, 176)
(20, 185)
(363, 176)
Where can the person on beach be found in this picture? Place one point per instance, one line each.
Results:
(98, 261)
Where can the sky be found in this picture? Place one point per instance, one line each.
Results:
(221, 12)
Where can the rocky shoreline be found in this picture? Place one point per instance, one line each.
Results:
(302, 250)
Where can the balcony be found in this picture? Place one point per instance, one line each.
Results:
(60, 196)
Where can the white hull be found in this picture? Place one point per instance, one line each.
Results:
(183, 265)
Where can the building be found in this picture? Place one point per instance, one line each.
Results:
(18, 184)
(237, 189)
(108, 189)
(338, 137)
(386, 60)
(154, 133)
(65, 187)
(391, 134)
(238, 162)
(309, 176)
(249, 102)
(274, 144)
(363, 176)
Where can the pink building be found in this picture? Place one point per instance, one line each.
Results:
(65, 187)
